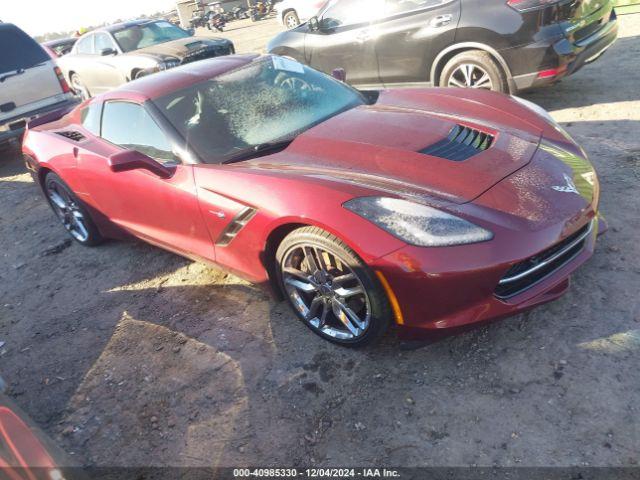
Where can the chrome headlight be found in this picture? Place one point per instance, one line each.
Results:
(417, 224)
(167, 64)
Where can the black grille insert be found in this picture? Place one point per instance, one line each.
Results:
(236, 225)
(72, 135)
(461, 143)
(206, 52)
(528, 273)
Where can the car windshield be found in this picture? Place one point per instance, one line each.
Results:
(148, 34)
(254, 107)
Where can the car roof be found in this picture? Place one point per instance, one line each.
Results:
(60, 41)
(116, 27)
(161, 84)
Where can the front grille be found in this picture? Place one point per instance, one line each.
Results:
(71, 135)
(528, 273)
(206, 52)
(461, 143)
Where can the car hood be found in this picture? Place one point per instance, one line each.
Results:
(180, 48)
(381, 145)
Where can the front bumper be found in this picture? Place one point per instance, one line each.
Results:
(14, 127)
(568, 57)
(453, 289)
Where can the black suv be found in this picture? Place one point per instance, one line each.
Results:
(502, 45)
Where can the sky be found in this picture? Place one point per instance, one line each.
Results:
(37, 17)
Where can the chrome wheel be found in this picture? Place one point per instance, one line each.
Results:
(68, 212)
(79, 88)
(326, 292)
(469, 75)
(291, 20)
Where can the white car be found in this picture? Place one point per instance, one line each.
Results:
(30, 82)
(292, 13)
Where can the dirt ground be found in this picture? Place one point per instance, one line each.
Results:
(131, 356)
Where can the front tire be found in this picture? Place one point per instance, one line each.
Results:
(474, 69)
(331, 290)
(71, 212)
(79, 87)
(291, 20)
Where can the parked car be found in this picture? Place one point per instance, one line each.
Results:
(109, 57)
(429, 208)
(26, 452)
(501, 45)
(61, 46)
(30, 82)
(292, 13)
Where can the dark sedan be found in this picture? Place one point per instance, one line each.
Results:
(61, 46)
(109, 57)
(501, 45)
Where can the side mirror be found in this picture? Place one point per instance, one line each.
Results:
(339, 74)
(108, 51)
(134, 160)
(314, 24)
(191, 31)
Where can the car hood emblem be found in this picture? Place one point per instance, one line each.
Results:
(569, 186)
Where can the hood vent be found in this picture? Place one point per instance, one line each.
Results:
(72, 135)
(461, 143)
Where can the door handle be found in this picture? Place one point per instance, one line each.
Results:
(363, 36)
(441, 20)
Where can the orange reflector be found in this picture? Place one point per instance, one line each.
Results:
(395, 305)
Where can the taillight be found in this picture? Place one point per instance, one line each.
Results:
(528, 5)
(63, 83)
(552, 72)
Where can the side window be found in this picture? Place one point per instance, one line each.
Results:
(130, 126)
(85, 45)
(394, 7)
(340, 13)
(90, 117)
(103, 41)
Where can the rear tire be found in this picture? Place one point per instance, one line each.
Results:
(71, 211)
(474, 69)
(331, 290)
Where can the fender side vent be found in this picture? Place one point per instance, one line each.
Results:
(71, 135)
(236, 225)
(461, 143)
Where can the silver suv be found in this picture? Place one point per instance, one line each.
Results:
(30, 82)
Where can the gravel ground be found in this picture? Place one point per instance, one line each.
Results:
(131, 356)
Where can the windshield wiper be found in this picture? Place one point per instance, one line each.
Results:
(20, 71)
(260, 150)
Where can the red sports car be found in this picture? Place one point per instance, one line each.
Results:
(433, 209)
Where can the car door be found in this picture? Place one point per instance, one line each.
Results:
(410, 36)
(105, 72)
(344, 40)
(79, 61)
(162, 211)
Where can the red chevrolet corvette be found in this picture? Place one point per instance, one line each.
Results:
(433, 209)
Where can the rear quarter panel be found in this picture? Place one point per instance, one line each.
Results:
(495, 24)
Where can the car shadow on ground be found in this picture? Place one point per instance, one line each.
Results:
(10, 160)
